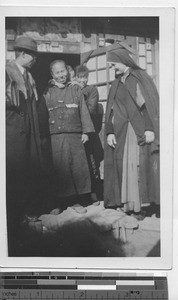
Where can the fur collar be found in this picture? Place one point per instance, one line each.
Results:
(16, 76)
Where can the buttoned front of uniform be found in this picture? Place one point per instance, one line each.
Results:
(64, 108)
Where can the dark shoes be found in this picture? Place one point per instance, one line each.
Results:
(140, 216)
(94, 199)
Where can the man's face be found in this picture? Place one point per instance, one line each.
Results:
(59, 72)
(29, 59)
(118, 67)
(82, 80)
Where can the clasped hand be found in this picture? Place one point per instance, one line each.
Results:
(84, 138)
(111, 140)
(149, 136)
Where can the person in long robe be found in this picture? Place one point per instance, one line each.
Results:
(134, 100)
(69, 126)
(23, 146)
(94, 149)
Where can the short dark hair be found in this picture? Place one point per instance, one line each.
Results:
(81, 70)
(60, 61)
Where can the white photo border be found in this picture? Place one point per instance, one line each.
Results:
(166, 73)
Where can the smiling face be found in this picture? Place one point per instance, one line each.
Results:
(82, 80)
(59, 72)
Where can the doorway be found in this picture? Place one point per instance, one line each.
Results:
(41, 73)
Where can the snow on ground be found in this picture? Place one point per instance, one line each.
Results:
(100, 232)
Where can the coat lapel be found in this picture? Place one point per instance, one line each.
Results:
(16, 76)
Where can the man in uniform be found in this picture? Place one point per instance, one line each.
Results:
(69, 124)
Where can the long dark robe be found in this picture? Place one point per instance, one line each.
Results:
(23, 152)
(22, 130)
(122, 99)
(94, 149)
(23, 148)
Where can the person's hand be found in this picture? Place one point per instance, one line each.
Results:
(111, 140)
(149, 136)
(73, 82)
(61, 85)
(84, 138)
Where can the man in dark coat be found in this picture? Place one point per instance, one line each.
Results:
(94, 148)
(133, 98)
(23, 149)
(69, 124)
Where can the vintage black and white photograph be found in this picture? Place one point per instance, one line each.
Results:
(83, 136)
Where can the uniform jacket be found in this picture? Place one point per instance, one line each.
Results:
(66, 110)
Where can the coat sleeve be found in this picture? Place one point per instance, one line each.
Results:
(147, 121)
(109, 129)
(92, 100)
(45, 138)
(43, 117)
(87, 124)
(141, 104)
(12, 94)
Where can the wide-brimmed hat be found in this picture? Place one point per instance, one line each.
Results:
(26, 44)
